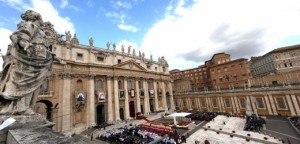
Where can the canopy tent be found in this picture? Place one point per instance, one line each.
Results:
(174, 115)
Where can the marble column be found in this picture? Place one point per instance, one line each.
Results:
(233, 104)
(164, 97)
(222, 103)
(155, 95)
(236, 104)
(292, 110)
(268, 105)
(109, 100)
(273, 106)
(249, 108)
(170, 89)
(146, 94)
(207, 104)
(91, 97)
(253, 103)
(219, 104)
(116, 100)
(138, 100)
(66, 104)
(127, 116)
(198, 103)
(295, 104)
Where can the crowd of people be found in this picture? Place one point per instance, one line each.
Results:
(141, 134)
(295, 120)
(202, 116)
(254, 123)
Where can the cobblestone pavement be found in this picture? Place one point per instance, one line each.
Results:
(279, 127)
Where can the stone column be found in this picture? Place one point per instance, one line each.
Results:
(155, 95)
(116, 99)
(273, 106)
(219, 105)
(198, 104)
(66, 104)
(171, 95)
(233, 104)
(138, 100)
(146, 94)
(109, 100)
(91, 97)
(249, 109)
(288, 98)
(295, 104)
(164, 98)
(126, 99)
(253, 103)
(236, 104)
(268, 105)
(222, 103)
(207, 104)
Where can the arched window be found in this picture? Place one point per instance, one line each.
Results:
(141, 85)
(99, 85)
(79, 84)
(120, 84)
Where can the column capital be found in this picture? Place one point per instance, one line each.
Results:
(91, 76)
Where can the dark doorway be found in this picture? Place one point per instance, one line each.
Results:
(168, 99)
(100, 114)
(122, 113)
(131, 109)
(142, 109)
(46, 110)
(151, 105)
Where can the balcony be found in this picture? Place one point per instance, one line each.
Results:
(45, 94)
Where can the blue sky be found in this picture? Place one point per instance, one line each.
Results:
(186, 32)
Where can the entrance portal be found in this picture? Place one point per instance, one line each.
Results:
(131, 109)
(151, 105)
(122, 113)
(100, 114)
(47, 110)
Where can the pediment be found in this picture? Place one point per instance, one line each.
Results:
(131, 64)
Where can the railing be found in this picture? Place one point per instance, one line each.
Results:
(46, 94)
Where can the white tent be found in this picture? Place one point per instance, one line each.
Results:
(174, 115)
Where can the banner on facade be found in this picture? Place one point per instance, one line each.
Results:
(101, 96)
(132, 92)
(80, 97)
(121, 94)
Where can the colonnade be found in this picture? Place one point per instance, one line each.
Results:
(281, 103)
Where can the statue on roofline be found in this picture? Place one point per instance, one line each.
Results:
(114, 46)
(91, 42)
(27, 64)
(107, 45)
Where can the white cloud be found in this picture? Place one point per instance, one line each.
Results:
(17, 4)
(90, 3)
(63, 3)
(122, 4)
(4, 36)
(187, 36)
(127, 27)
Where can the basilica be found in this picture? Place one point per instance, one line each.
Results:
(102, 85)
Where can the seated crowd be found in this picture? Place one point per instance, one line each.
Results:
(295, 120)
(201, 116)
(139, 135)
(254, 123)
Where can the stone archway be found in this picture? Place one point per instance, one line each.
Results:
(44, 107)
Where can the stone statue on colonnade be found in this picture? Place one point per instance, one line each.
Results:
(27, 64)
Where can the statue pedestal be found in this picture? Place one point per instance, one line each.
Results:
(30, 129)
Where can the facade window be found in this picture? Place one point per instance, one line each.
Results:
(99, 85)
(242, 102)
(203, 103)
(164, 69)
(79, 56)
(148, 67)
(119, 61)
(215, 104)
(155, 68)
(193, 103)
(120, 85)
(184, 103)
(45, 86)
(79, 84)
(260, 103)
(280, 103)
(241, 65)
(100, 58)
(227, 102)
